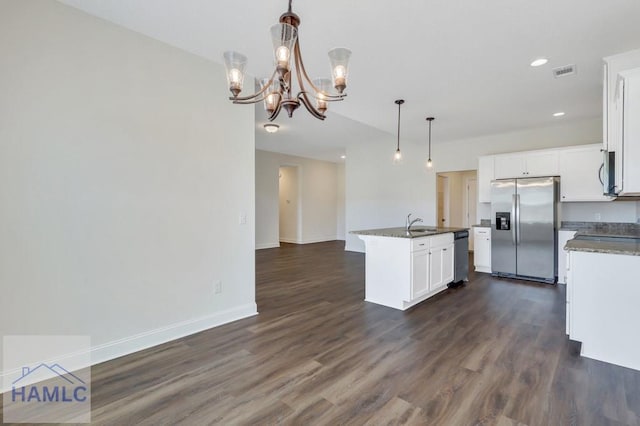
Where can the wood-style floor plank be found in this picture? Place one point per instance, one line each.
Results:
(492, 352)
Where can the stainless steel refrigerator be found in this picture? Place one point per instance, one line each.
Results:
(523, 228)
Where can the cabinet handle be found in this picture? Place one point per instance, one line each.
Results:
(421, 244)
(444, 249)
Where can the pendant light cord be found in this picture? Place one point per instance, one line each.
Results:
(398, 148)
(429, 139)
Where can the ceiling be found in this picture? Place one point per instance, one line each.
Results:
(464, 62)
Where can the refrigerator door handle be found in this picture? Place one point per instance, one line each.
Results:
(513, 218)
(517, 219)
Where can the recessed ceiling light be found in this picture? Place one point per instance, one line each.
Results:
(539, 62)
(271, 128)
(558, 114)
(343, 156)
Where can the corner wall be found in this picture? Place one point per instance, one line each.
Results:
(124, 172)
(318, 181)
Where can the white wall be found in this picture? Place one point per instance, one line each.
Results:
(318, 198)
(616, 211)
(124, 170)
(340, 201)
(380, 195)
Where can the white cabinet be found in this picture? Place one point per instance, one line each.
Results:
(419, 273)
(613, 65)
(621, 119)
(563, 237)
(482, 249)
(603, 306)
(628, 110)
(402, 272)
(580, 174)
(440, 265)
(485, 176)
(509, 166)
(526, 164)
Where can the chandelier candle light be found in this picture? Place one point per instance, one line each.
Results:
(276, 91)
(397, 156)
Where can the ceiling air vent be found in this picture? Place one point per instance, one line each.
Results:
(564, 71)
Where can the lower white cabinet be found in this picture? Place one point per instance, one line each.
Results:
(440, 266)
(482, 249)
(563, 237)
(401, 272)
(419, 273)
(602, 306)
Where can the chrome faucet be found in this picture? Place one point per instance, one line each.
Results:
(411, 222)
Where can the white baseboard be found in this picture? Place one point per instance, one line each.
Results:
(158, 336)
(309, 240)
(138, 342)
(267, 245)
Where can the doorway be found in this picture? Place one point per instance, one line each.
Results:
(289, 204)
(456, 197)
(443, 200)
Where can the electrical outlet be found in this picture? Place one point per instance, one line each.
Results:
(597, 216)
(242, 219)
(217, 287)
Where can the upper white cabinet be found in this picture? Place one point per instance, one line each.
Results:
(621, 119)
(526, 164)
(581, 173)
(485, 176)
(628, 153)
(611, 124)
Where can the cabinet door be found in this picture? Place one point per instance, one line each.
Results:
(485, 176)
(482, 249)
(579, 174)
(631, 133)
(509, 166)
(419, 273)
(435, 269)
(563, 237)
(447, 265)
(542, 164)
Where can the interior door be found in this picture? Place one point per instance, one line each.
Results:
(443, 200)
(472, 201)
(536, 244)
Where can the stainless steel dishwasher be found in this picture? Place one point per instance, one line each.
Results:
(461, 256)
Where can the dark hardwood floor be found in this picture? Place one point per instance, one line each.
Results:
(491, 352)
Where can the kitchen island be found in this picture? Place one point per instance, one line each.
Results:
(602, 296)
(404, 268)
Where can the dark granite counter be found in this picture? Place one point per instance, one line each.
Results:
(626, 246)
(610, 238)
(416, 232)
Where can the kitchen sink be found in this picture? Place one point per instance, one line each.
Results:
(423, 230)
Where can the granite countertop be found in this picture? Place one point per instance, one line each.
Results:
(400, 232)
(626, 246)
(617, 238)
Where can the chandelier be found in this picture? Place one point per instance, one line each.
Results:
(277, 91)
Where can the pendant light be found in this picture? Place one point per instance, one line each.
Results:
(429, 162)
(397, 156)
